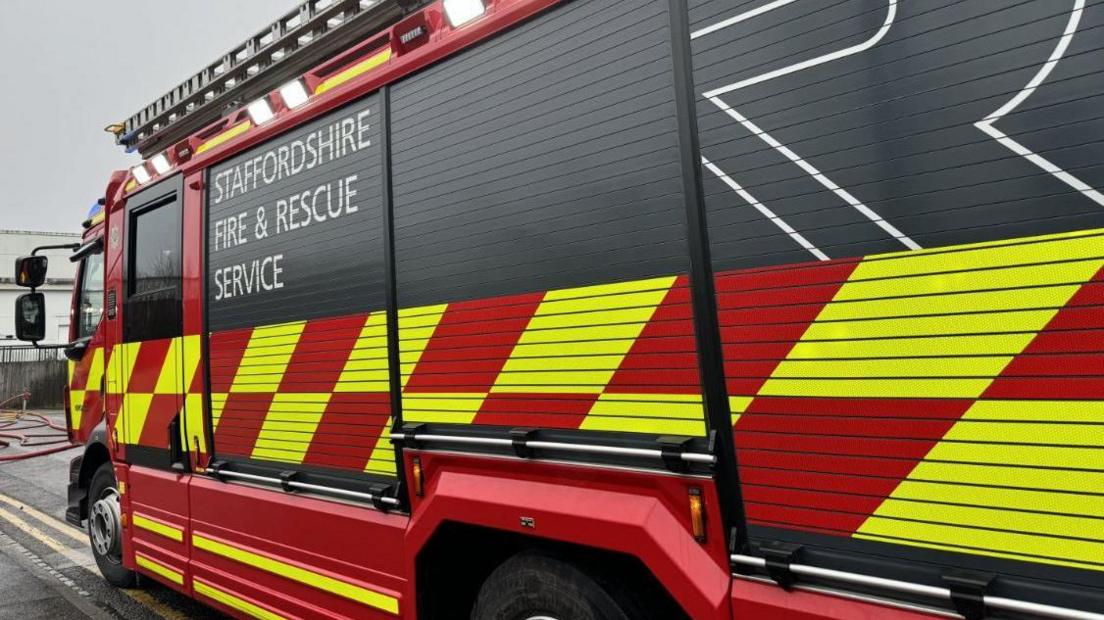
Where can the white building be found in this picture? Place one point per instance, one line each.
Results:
(58, 288)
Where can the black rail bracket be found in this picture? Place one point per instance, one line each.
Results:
(968, 592)
(520, 438)
(381, 492)
(286, 478)
(410, 432)
(672, 447)
(215, 469)
(779, 557)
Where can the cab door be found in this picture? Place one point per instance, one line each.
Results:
(85, 387)
(150, 364)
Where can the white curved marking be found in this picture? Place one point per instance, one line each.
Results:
(820, 177)
(735, 19)
(987, 124)
(812, 170)
(891, 14)
(770, 215)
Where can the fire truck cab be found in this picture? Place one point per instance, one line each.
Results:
(606, 309)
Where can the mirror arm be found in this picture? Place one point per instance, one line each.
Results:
(94, 246)
(63, 246)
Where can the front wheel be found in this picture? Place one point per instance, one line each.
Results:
(533, 586)
(105, 531)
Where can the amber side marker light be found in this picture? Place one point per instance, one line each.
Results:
(697, 515)
(419, 478)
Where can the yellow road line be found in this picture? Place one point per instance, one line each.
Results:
(75, 555)
(148, 601)
(46, 519)
(42, 537)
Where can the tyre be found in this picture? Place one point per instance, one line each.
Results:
(105, 528)
(534, 586)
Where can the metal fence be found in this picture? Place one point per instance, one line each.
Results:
(40, 372)
(27, 353)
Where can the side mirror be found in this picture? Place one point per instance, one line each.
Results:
(30, 271)
(30, 317)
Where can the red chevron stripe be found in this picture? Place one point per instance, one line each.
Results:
(825, 464)
(147, 366)
(1066, 359)
(663, 359)
(772, 309)
(320, 355)
(155, 431)
(536, 410)
(225, 354)
(349, 430)
(472, 343)
(240, 424)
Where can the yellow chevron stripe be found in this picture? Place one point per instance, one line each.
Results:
(382, 460)
(193, 431)
(190, 355)
(133, 412)
(157, 527)
(289, 426)
(233, 602)
(445, 408)
(661, 414)
(218, 403)
(266, 357)
(168, 380)
(986, 485)
(95, 370)
(578, 337)
(92, 384)
(416, 327)
(874, 340)
(283, 569)
(121, 366)
(366, 370)
(737, 405)
(158, 568)
(1075, 245)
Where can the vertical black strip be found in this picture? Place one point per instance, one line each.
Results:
(392, 290)
(205, 337)
(706, 330)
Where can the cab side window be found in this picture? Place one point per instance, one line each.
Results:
(153, 286)
(90, 303)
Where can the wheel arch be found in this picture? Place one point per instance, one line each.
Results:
(477, 512)
(95, 455)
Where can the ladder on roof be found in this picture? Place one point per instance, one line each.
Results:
(312, 33)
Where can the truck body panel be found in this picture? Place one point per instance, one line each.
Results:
(461, 286)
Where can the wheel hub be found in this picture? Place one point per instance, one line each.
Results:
(105, 526)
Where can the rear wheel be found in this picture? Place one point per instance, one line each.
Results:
(533, 586)
(105, 531)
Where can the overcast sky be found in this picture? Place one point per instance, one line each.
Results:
(68, 69)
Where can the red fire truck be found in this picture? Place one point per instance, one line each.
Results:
(606, 309)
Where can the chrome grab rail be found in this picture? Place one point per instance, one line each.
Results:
(648, 453)
(303, 486)
(935, 592)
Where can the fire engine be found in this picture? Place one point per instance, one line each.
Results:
(606, 309)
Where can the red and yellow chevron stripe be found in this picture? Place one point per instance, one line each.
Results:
(946, 398)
